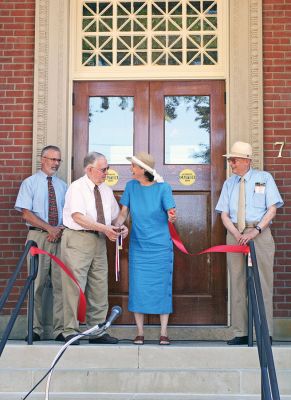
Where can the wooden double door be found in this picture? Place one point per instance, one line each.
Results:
(182, 124)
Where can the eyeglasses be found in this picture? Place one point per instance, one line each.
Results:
(103, 170)
(233, 160)
(53, 159)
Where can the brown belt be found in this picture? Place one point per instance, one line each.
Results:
(84, 230)
(87, 231)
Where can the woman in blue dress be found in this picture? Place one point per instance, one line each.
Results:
(150, 203)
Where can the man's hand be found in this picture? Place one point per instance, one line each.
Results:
(246, 237)
(111, 232)
(54, 233)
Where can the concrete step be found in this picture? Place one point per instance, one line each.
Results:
(128, 396)
(197, 370)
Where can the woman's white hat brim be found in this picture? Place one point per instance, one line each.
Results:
(135, 160)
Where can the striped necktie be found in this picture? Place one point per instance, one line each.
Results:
(53, 218)
(241, 211)
(99, 206)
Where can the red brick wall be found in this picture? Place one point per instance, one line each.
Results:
(277, 128)
(16, 106)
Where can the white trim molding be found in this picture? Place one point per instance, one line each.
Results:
(51, 78)
(246, 76)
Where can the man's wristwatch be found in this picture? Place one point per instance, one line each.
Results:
(258, 228)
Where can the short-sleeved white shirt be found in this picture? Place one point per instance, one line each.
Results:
(80, 199)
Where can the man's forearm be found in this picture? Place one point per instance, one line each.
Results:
(33, 220)
(88, 223)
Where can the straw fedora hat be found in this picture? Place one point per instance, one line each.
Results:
(240, 150)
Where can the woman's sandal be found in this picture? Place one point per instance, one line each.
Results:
(164, 341)
(139, 340)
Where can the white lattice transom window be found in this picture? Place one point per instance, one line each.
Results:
(153, 34)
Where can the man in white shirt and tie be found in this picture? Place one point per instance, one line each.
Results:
(89, 212)
(248, 203)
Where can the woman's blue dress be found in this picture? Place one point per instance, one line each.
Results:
(150, 247)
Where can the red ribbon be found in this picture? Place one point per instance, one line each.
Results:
(82, 298)
(215, 249)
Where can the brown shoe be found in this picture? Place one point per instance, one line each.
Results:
(164, 341)
(139, 340)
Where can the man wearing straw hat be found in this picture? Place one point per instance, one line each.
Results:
(248, 203)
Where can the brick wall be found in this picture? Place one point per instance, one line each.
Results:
(277, 128)
(16, 103)
(16, 106)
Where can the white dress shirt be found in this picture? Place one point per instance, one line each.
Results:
(80, 199)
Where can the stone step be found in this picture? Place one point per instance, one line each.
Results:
(140, 372)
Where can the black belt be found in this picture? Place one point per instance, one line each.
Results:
(33, 228)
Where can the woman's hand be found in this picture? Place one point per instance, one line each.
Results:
(172, 215)
(123, 231)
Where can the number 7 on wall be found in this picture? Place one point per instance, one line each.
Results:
(281, 148)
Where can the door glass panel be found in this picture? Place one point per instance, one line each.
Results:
(111, 127)
(187, 129)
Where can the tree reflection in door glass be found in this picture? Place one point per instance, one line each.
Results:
(111, 127)
(187, 129)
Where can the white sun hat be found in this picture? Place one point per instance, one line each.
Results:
(147, 162)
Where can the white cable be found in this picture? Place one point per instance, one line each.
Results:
(63, 349)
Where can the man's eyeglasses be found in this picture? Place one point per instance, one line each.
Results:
(103, 170)
(232, 160)
(53, 159)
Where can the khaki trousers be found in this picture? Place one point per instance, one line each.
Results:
(47, 268)
(265, 250)
(85, 253)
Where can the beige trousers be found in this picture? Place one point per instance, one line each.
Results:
(265, 250)
(85, 253)
(47, 268)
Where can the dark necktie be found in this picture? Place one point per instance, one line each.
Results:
(52, 209)
(99, 206)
